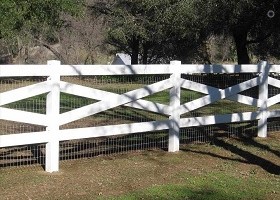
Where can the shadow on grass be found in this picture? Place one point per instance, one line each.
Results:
(249, 157)
(251, 142)
(247, 138)
(178, 192)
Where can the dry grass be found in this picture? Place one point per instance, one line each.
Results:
(237, 168)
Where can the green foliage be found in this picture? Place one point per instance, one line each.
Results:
(27, 23)
(173, 29)
(34, 17)
(246, 21)
(159, 29)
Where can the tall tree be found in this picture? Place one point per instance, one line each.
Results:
(148, 29)
(171, 29)
(248, 22)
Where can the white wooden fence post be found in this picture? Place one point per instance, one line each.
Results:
(52, 111)
(175, 95)
(263, 97)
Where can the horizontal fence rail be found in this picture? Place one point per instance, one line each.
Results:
(176, 112)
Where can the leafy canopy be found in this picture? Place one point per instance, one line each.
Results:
(177, 28)
(34, 16)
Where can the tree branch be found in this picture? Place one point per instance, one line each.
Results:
(54, 51)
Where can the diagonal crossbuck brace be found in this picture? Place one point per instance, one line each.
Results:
(216, 94)
(97, 94)
(109, 103)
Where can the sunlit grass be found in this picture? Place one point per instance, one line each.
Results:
(210, 186)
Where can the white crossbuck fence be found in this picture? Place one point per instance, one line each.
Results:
(53, 86)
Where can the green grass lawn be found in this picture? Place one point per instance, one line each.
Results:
(213, 185)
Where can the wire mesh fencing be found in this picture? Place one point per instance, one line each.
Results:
(273, 123)
(28, 154)
(87, 148)
(91, 147)
(120, 115)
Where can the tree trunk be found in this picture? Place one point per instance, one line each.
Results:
(240, 39)
(145, 53)
(135, 51)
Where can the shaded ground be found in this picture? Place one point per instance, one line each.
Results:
(235, 168)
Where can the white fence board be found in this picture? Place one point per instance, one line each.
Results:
(273, 113)
(274, 68)
(244, 99)
(68, 70)
(218, 119)
(78, 70)
(122, 129)
(273, 100)
(274, 82)
(224, 69)
(195, 86)
(125, 98)
(23, 116)
(97, 94)
(205, 89)
(24, 92)
(218, 95)
(23, 139)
